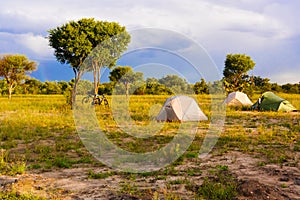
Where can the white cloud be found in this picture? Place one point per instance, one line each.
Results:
(35, 46)
(36, 43)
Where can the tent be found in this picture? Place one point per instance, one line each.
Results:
(237, 99)
(180, 108)
(270, 101)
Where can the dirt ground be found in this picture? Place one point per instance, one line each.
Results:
(254, 181)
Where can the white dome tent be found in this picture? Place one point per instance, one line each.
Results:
(180, 108)
(237, 99)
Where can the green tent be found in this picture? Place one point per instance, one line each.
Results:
(271, 102)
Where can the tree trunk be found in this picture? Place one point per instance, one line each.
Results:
(10, 90)
(98, 76)
(95, 80)
(76, 81)
(127, 90)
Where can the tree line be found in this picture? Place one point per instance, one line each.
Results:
(167, 85)
(88, 45)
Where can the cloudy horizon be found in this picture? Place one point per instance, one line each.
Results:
(266, 30)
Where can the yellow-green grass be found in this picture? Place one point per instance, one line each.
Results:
(40, 130)
(37, 132)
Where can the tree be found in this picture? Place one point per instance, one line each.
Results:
(106, 55)
(290, 88)
(32, 86)
(261, 84)
(201, 87)
(175, 83)
(105, 88)
(64, 86)
(14, 69)
(50, 87)
(235, 71)
(155, 88)
(74, 41)
(126, 76)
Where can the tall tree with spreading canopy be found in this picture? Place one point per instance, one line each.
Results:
(88, 45)
(235, 71)
(15, 69)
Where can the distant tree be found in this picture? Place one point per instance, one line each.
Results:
(14, 69)
(216, 87)
(64, 86)
(290, 88)
(73, 42)
(275, 87)
(152, 87)
(32, 86)
(50, 87)
(235, 72)
(261, 84)
(105, 88)
(155, 88)
(85, 86)
(126, 76)
(201, 87)
(175, 83)
(151, 80)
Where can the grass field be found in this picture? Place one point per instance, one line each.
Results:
(38, 135)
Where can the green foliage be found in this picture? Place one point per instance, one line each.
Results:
(291, 88)
(32, 86)
(3, 87)
(14, 69)
(105, 88)
(84, 87)
(155, 88)
(126, 77)
(50, 88)
(123, 74)
(216, 87)
(177, 84)
(74, 41)
(201, 87)
(235, 72)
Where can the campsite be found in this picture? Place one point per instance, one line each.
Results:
(149, 100)
(256, 156)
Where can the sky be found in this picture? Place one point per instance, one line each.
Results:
(266, 30)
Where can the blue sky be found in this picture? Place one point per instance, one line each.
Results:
(266, 30)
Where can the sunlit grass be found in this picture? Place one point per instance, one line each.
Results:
(26, 120)
(39, 131)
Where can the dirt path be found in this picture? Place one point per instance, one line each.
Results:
(254, 181)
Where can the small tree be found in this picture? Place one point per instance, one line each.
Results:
(201, 87)
(126, 76)
(235, 71)
(14, 69)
